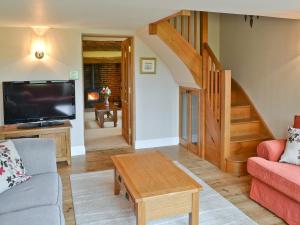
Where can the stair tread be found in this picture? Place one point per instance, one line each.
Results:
(249, 137)
(244, 120)
(240, 105)
(240, 157)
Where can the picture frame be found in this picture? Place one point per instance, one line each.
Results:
(147, 65)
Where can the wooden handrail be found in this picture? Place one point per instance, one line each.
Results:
(213, 56)
(180, 13)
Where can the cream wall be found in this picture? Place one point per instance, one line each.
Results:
(265, 60)
(64, 55)
(214, 33)
(64, 50)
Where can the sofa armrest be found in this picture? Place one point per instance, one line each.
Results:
(271, 150)
(38, 155)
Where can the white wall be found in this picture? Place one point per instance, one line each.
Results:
(181, 74)
(154, 108)
(265, 60)
(157, 103)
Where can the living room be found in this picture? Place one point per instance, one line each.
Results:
(259, 46)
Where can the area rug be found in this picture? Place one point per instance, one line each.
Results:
(95, 204)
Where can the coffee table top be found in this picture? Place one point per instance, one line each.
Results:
(148, 174)
(101, 106)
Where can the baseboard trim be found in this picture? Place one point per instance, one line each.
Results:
(159, 142)
(78, 150)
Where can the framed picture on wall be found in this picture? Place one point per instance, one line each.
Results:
(147, 65)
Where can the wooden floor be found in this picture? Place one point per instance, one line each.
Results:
(232, 188)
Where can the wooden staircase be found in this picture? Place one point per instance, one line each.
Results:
(247, 130)
(230, 126)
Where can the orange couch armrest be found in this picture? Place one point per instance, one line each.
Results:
(271, 150)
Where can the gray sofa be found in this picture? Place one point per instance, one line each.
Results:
(37, 201)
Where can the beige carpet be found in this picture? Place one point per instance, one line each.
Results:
(97, 138)
(95, 204)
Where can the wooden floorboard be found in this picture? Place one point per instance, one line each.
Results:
(235, 189)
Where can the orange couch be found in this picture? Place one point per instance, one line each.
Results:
(275, 185)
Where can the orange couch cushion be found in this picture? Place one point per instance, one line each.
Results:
(297, 122)
(281, 176)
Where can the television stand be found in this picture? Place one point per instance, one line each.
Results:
(40, 124)
(60, 134)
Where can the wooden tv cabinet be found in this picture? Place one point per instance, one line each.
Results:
(60, 134)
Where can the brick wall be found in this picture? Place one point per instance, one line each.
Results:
(106, 74)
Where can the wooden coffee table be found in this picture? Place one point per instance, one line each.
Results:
(156, 186)
(101, 110)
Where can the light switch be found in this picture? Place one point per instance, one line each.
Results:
(74, 75)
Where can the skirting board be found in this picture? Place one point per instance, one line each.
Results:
(78, 150)
(159, 142)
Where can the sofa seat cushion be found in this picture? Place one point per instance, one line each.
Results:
(40, 190)
(281, 176)
(44, 215)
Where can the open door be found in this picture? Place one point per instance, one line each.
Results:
(126, 87)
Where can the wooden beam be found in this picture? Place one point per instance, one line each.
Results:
(98, 60)
(203, 30)
(225, 116)
(182, 49)
(101, 45)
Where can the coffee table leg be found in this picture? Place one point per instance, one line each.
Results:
(117, 187)
(115, 117)
(194, 215)
(140, 213)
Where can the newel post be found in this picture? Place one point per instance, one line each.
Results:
(225, 116)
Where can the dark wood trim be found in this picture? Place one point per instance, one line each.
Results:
(88, 45)
(95, 60)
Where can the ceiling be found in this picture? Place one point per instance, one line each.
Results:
(128, 14)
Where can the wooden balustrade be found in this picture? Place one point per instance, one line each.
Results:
(218, 96)
(186, 33)
(189, 27)
(212, 76)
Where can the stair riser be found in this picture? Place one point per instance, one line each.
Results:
(244, 147)
(249, 128)
(234, 97)
(240, 112)
(236, 168)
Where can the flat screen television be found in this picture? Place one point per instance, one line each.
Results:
(33, 101)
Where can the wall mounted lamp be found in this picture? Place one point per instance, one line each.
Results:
(39, 49)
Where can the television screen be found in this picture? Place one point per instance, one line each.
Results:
(32, 101)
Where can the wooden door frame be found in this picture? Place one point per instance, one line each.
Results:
(188, 143)
(130, 78)
(182, 142)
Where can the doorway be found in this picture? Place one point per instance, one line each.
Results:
(108, 72)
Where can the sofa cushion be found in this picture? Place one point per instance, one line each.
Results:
(297, 122)
(44, 215)
(40, 190)
(292, 148)
(281, 176)
(12, 171)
